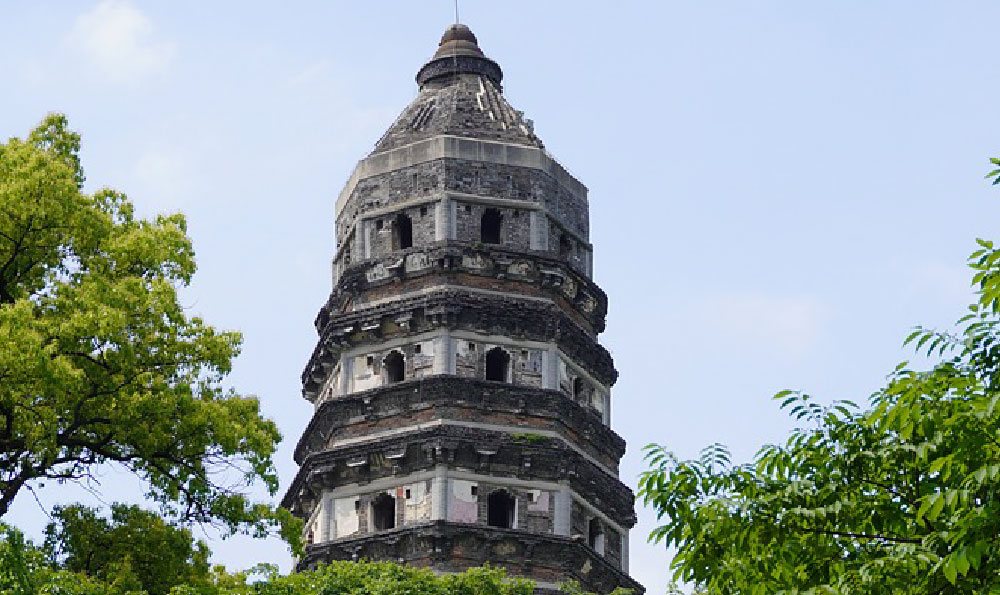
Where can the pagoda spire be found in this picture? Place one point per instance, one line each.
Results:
(459, 53)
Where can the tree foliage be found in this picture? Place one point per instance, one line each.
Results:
(99, 362)
(134, 548)
(902, 496)
(28, 570)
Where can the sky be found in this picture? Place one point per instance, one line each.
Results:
(780, 191)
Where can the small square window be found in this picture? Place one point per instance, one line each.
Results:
(468, 208)
(416, 348)
(407, 493)
(474, 490)
(371, 360)
(378, 224)
(423, 211)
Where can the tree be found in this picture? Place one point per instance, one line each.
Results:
(23, 572)
(99, 362)
(900, 497)
(135, 548)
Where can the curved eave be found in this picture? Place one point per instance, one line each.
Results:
(465, 399)
(457, 447)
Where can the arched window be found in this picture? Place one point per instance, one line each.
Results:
(395, 367)
(497, 364)
(490, 227)
(402, 233)
(500, 509)
(565, 246)
(595, 536)
(383, 512)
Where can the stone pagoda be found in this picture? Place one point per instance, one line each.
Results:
(462, 401)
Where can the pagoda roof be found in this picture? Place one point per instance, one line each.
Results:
(461, 94)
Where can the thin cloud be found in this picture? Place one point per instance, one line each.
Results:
(950, 283)
(790, 324)
(162, 179)
(117, 40)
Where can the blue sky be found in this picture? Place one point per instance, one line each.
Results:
(779, 190)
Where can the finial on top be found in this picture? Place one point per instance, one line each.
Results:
(459, 53)
(458, 40)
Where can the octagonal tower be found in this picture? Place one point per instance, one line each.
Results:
(462, 401)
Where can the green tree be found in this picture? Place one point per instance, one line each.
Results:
(134, 547)
(99, 362)
(26, 570)
(902, 496)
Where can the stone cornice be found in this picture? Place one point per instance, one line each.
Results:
(444, 147)
(546, 558)
(454, 65)
(497, 454)
(461, 399)
(549, 276)
(456, 309)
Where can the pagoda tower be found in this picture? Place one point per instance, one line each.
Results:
(462, 401)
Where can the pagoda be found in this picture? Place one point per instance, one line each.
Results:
(462, 400)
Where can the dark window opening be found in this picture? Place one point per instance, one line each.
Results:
(490, 227)
(402, 233)
(394, 366)
(500, 510)
(378, 225)
(595, 536)
(384, 512)
(497, 364)
(565, 246)
(416, 348)
(577, 388)
(423, 211)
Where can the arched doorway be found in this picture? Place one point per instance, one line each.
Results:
(383, 512)
(497, 365)
(595, 535)
(500, 509)
(402, 232)
(395, 367)
(490, 226)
